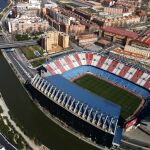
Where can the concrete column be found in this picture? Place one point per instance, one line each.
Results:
(93, 120)
(66, 105)
(43, 87)
(41, 84)
(35, 81)
(83, 116)
(38, 82)
(105, 122)
(79, 112)
(88, 118)
(109, 128)
(52, 95)
(32, 80)
(59, 99)
(49, 92)
(98, 122)
(46, 90)
(71, 104)
(76, 107)
(64, 99)
(55, 98)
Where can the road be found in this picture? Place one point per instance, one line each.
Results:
(75, 46)
(17, 44)
(5, 143)
(22, 67)
(17, 58)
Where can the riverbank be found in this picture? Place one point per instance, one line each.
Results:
(67, 128)
(16, 136)
(45, 112)
(22, 81)
(9, 3)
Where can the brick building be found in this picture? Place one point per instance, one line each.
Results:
(117, 35)
(87, 38)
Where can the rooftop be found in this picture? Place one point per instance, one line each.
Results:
(103, 41)
(87, 36)
(144, 38)
(121, 32)
(85, 96)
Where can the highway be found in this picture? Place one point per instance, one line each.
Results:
(15, 44)
(22, 66)
(17, 59)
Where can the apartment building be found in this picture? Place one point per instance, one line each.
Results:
(117, 35)
(27, 24)
(86, 39)
(122, 21)
(53, 39)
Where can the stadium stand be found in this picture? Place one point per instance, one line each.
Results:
(135, 75)
(94, 110)
(76, 72)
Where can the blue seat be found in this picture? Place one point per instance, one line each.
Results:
(75, 72)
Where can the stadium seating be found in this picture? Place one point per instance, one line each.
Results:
(76, 72)
(73, 60)
(85, 105)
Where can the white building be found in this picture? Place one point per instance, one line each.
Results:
(50, 4)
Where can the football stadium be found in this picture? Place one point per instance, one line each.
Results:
(105, 96)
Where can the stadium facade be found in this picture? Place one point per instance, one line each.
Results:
(101, 114)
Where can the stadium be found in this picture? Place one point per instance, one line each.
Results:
(107, 95)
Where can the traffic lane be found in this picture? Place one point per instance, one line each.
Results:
(24, 65)
(23, 61)
(21, 71)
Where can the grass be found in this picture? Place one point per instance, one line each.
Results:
(23, 37)
(38, 62)
(29, 51)
(12, 136)
(126, 100)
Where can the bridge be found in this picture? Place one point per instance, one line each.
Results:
(15, 44)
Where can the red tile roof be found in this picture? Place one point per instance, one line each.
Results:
(102, 41)
(121, 32)
(145, 38)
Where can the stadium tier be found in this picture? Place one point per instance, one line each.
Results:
(76, 72)
(94, 110)
(65, 63)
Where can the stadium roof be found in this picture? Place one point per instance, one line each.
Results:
(85, 96)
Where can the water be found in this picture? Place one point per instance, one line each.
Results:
(31, 118)
(3, 4)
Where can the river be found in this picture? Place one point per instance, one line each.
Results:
(3, 4)
(31, 118)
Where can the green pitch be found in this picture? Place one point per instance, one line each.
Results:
(126, 100)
